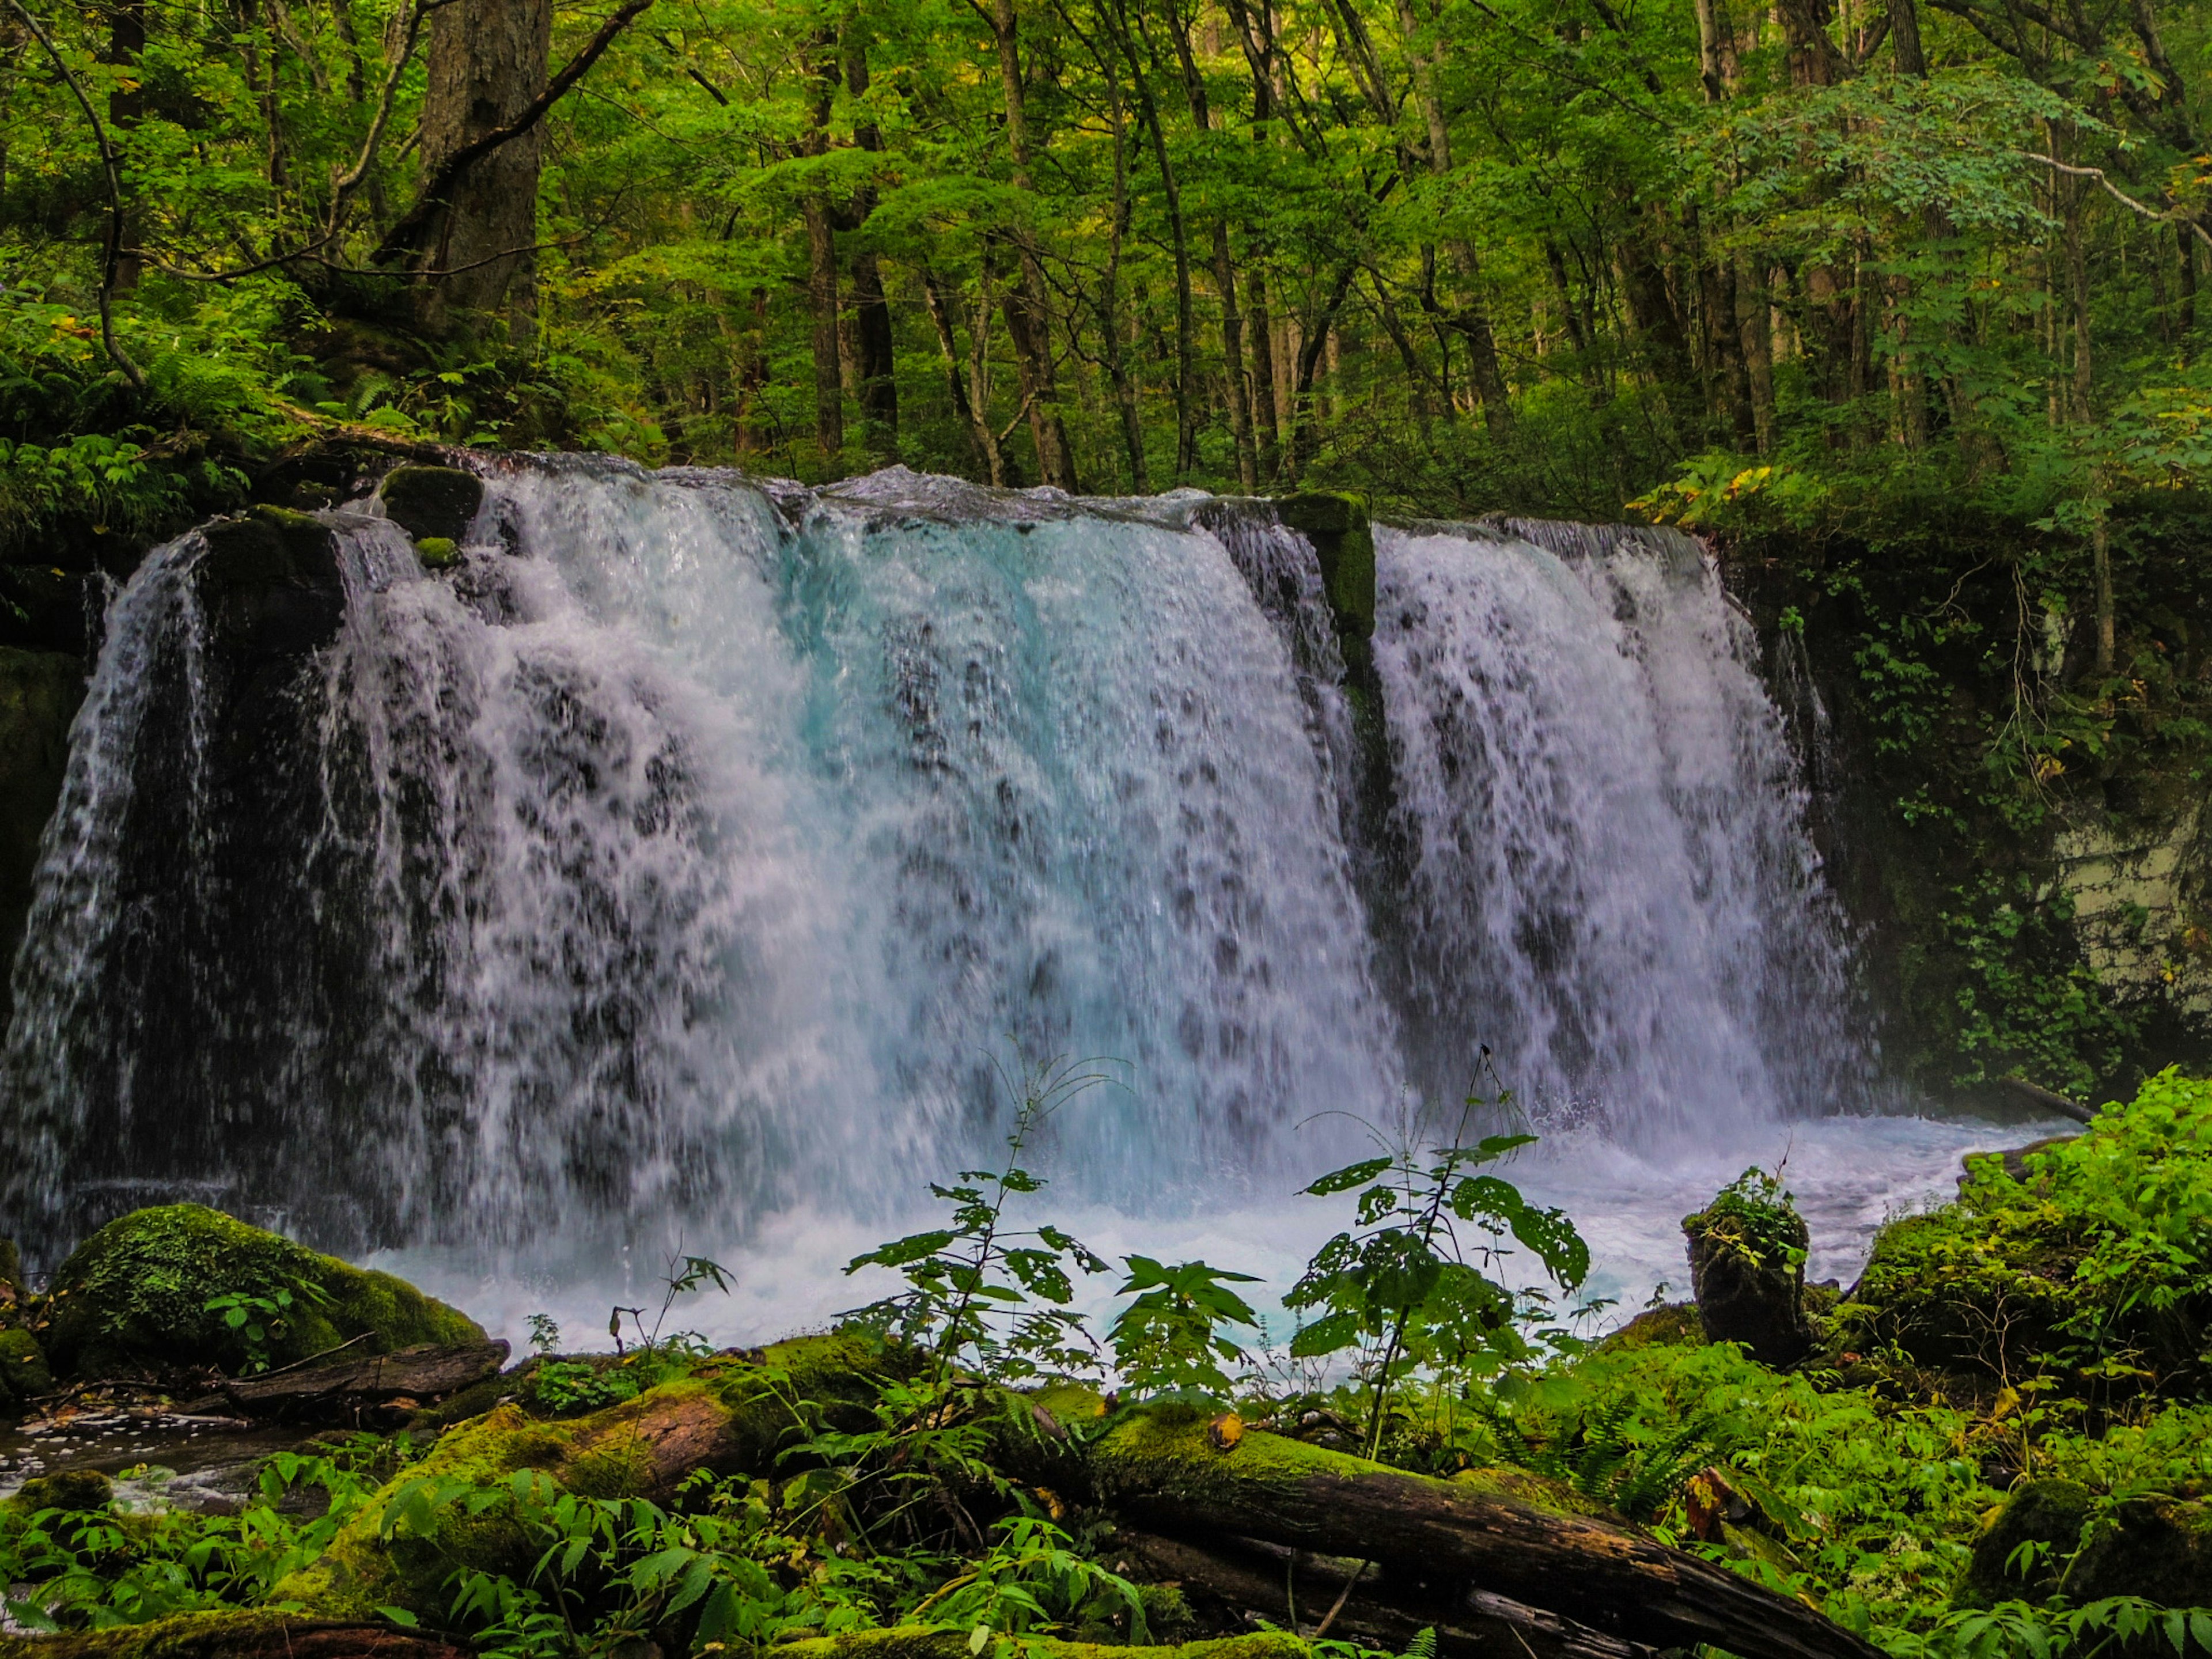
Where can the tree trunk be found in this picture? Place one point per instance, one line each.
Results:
(2185, 320)
(1439, 1540)
(1269, 430)
(970, 395)
(876, 372)
(1186, 378)
(255, 1635)
(488, 62)
(1755, 327)
(126, 108)
(822, 301)
(1028, 320)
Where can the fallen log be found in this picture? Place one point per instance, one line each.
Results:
(1239, 1578)
(951, 1641)
(233, 1636)
(339, 1391)
(1159, 1469)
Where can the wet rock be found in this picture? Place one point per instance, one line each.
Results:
(84, 1491)
(40, 691)
(132, 1299)
(1747, 1268)
(23, 1373)
(2159, 1548)
(271, 586)
(1338, 527)
(432, 503)
(45, 609)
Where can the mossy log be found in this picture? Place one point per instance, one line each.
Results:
(1236, 1578)
(1163, 1469)
(340, 1391)
(734, 1420)
(258, 1635)
(951, 1642)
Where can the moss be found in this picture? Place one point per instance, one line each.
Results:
(948, 1641)
(86, 1492)
(1163, 1451)
(23, 1370)
(438, 552)
(734, 1416)
(1342, 537)
(211, 1636)
(1675, 1326)
(133, 1297)
(2158, 1548)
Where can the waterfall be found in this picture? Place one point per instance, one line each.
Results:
(694, 848)
(1609, 879)
(699, 847)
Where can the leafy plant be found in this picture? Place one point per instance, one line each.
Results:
(1403, 1292)
(979, 1293)
(1170, 1338)
(258, 1320)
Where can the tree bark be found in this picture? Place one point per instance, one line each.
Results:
(821, 223)
(126, 108)
(487, 66)
(875, 368)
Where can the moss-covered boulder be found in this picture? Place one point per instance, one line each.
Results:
(133, 1298)
(24, 1373)
(258, 1634)
(82, 1492)
(1676, 1325)
(2090, 1266)
(2054, 1537)
(1747, 1268)
(432, 503)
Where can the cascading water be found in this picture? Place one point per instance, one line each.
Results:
(690, 855)
(702, 848)
(1610, 880)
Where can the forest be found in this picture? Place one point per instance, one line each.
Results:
(363, 851)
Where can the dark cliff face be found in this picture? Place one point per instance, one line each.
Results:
(40, 691)
(2023, 847)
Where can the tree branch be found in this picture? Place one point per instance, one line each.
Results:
(114, 252)
(399, 240)
(2177, 216)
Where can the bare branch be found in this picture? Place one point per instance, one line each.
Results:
(114, 252)
(2177, 216)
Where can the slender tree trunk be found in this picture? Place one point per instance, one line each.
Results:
(126, 108)
(822, 258)
(1186, 347)
(1470, 319)
(2185, 320)
(970, 396)
(487, 63)
(1755, 330)
(875, 376)
(1029, 321)
(2100, 558)
(1268, 431)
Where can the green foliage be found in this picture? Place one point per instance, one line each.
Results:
(1403, 1292)
(2092, 1273)
(981, 1293)
(1170, 1339)
(260, 1321)
(1753, 1217)
(69, 1568)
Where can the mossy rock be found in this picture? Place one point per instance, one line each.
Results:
(259, 1633)
(434, 503)
(438, 552)
(132, 1298)
(81, 1491)
(1344, 539)
(2158, 1548)
(23, 1370)
(1748, 1267)
(1676, 1325)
